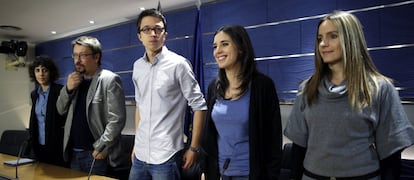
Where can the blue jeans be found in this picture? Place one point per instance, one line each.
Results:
(235, 177)
(169, 170)
(82, 161)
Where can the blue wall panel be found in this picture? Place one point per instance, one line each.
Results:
(242, 12)
(133, 36)
(263, 66)
(181, 23)
(66, 66)
(293, 9)
(210, 73)
(276, 40)
(122, 59)
(127, 84)
(397, 25)
(394, 64)
(43, 49)
(115, 37)
(308, 35)
(182, 47)
(348, 5)
(208, 48)
(55, 49)
(288, 73)
(371, 25)
(383, 26)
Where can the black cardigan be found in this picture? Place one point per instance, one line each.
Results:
(52, 151)
(265, 132)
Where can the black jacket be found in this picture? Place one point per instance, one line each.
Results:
(265, 132)
(52, 151)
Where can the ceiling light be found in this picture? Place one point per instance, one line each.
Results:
(53, 32)
(141, 8)
(91, 22)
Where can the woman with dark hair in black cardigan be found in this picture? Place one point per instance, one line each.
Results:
(46, 125)
(243, 139)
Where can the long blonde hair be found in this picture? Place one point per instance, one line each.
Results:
(359, 70)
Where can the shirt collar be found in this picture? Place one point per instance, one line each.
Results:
(159, 56)
(40, 91)
(340, 89)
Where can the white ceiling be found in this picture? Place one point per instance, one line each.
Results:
(38, 18)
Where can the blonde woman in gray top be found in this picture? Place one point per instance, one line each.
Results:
(347, 121)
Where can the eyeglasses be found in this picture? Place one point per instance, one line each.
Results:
(81, 56)
(148, 30)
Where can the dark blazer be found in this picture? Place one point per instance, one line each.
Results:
(265, 132)
(51, 152)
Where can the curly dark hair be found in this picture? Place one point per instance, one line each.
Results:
(48, 63)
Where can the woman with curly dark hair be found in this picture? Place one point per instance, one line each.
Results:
(46, 125)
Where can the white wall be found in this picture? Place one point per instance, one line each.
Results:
(15, 91)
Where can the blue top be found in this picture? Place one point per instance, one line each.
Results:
(40, 110)
(231, 120)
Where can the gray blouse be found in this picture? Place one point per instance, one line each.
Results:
(342, 142)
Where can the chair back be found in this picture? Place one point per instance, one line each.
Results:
(286, 164)
(11, 141)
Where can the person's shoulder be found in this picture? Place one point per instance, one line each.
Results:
(105, 73)
(262, 78)
(173, 56)
(33, 92)
(384, 81)
(139, 61)
(259, 75)
(302, 84)
(56, 86)
(385, 84)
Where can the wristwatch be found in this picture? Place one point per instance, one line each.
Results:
(194, 149)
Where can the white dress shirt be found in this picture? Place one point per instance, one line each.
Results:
(162, 92)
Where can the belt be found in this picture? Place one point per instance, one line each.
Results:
(362, 177)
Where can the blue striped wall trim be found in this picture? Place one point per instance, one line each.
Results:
(311, 54)
(289, 21)
(382, 6)
(322, 15)
(373, 8)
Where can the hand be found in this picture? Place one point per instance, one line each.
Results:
(97, 155)
(189, 159)
(74, 79)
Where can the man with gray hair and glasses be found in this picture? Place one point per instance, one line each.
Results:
(95, 102)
